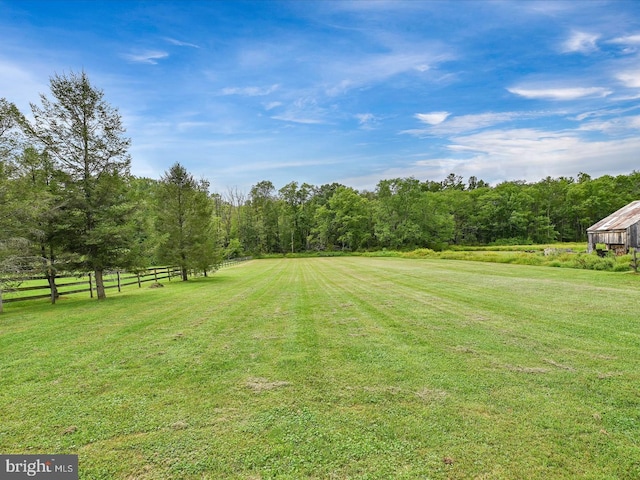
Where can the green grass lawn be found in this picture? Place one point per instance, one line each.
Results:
(337, 368)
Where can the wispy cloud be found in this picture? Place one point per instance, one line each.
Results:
(304, 110)
(432, 118)
(367, 121)
(250, 91)
(272, 105)
(627, 39)
(364, 117)
(275, 165)
(580, 42)
(614, 126)
(465, 123)
(529, 154)
(514, 143)
(561, 93)
(532, 154)
(348, 72)
(150, 57)
(479, 87)
(289, 117)
(179, 43)
(629, 43)
(630, 78)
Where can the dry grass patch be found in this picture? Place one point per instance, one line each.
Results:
(430, 394)
(259, 384)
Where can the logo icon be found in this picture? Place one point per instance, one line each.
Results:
(45, 467)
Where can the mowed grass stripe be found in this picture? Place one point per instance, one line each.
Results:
(509, 338)
(334, 368)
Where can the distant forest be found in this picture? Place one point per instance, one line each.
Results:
(67, 198)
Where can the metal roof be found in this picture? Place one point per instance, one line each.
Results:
(619, 220)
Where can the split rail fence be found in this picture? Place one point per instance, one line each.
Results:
(79, 283)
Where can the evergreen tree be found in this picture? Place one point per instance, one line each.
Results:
(84, 135)
(188, 237)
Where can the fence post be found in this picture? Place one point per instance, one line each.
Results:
(118, 275)
(52, 287)
(155, 274)
(169, 272)
(139, 284)
(90, 287)
(634, 261)
(51, 279)
(0, 300)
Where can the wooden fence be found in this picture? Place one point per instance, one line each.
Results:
(68, 284)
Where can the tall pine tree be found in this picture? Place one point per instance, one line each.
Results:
(84, 135)
(185, 222)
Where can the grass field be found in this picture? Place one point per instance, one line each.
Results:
(350, 367)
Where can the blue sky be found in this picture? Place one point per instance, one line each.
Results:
(346, 91)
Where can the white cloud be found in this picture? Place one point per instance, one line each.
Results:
(627, 40)
(629, 43)
(531, 154)
(528, 155)
(179, 43)
(467, 123)
(580, 42)
(304, 110)
(630, 78)
(272, 105)
(366, 120)
(560, 93)
(614, 126)
(370, 69)
(606, 112)
(148, 57)
(279, 165)
(515, 142)
(250, 91)
(519, 154)
(364, 117)
(432, 118)
(289, 117)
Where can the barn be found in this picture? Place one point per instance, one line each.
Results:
(618, 232)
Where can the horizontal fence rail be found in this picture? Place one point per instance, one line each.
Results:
(85, 282)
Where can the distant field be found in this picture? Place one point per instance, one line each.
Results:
(348, 367)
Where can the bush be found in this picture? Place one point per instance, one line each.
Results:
(511, 241)
(420, 253)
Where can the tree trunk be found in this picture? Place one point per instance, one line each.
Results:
(100, 285)
(51, 277)
(184, 274)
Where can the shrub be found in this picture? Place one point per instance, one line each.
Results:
(420, 253)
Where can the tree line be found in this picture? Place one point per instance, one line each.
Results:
(68, 201)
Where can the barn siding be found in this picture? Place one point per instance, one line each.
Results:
(617, 237)
(633, 235)
(619, 231)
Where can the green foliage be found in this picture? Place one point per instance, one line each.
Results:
(234, 249)
(84, 136)
(184, 222)
(408, 216)
(516, 255)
